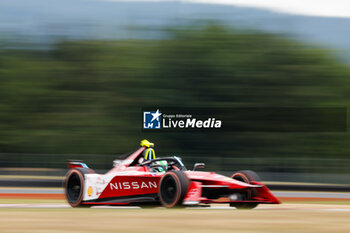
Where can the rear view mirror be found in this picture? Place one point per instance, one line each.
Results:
(198, 165)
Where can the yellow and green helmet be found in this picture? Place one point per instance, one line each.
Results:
(149, 153)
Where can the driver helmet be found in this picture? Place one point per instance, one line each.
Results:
(149, 154)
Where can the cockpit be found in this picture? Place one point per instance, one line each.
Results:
(164, 164)
(145, 157)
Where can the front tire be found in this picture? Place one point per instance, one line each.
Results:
(246, 176)
(74, 186)
(173, 188)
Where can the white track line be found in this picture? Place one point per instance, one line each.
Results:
(275, 208)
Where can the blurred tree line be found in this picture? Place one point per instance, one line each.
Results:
(85, 97)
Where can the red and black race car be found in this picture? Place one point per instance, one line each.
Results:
(143, 180)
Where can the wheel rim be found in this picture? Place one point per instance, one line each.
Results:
(169, 190)
(73, 188)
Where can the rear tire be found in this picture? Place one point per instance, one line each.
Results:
(173, 188)
(246, 176)
(74, 186)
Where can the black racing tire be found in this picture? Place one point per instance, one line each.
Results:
(173, 188)
(74, 186)
(246, 176)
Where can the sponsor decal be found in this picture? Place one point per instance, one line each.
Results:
(89, 191)
(133, 185)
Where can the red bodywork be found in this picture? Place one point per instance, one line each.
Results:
(130, 183)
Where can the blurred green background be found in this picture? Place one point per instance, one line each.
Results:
(85, 97)
(81, 98)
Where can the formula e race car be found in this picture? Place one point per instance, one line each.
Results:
(144, 180)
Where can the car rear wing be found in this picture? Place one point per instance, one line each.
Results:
(76, 163)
